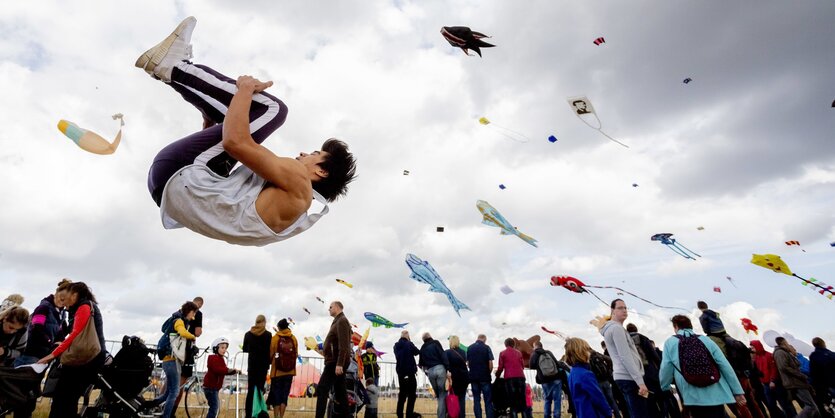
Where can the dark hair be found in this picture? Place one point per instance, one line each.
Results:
(16, 314)
(631, 328)
(83, 291)
(198, 299)
(818, 342)
(508, 342)
(341, 168)
(779, 340)
(615, 302)
(701, 305)
(283, 324)
(188, 307)
(338, 303)
(682, 322)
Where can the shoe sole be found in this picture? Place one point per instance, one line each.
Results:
(152, 57)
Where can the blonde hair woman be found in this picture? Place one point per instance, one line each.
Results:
(589, 401)
(457, 359)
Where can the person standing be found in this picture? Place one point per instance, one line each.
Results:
(602, 368)
(373, 395)
(74, 380)
(589, 401)
(793, 379)
(284, 349)
(627, 366)
(769, 377)
(406, 368)
(216, 371)
(457, 360)
(511, 364)
(822, 371)
(337, 352)
(257, 345)
(701, 401)
(370, 367)
(194, 327)
(480, 361)
(435, 365)
(651, 361)
(176, 325)
(549, 375)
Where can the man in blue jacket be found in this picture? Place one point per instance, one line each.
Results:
(405, 352)
(480, 361)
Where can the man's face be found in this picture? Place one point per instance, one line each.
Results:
(199, 304)
(311, 161)
(619, 313)
(333, 309)
(581, 106)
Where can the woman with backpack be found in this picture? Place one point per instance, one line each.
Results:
(82, 353)
(171, 348)
(703, 376)
(284, 349)
(457, 360)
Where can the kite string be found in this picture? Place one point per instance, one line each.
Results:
(807, 281)
(630, 293)
(512, 131)
(599, 128)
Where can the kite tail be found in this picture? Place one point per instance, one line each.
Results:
(679, 251)
(457, 304)
(593, 294)
(528, 239)
(634, 295)
(509, 131)
(613, 139)
(682, 246)
(824, 288)
(403, 325)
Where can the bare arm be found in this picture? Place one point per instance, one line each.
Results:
(286, 173)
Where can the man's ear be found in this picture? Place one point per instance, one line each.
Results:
(321, 172)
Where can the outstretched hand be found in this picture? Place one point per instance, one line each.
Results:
(251, 84)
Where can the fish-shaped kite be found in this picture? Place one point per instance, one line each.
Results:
(671, 243)
(465, 38)
(575, 285)
(313, 343)
(90, 141)
(749, 326)
(320, 299)
(306, 310)
(423, 272)
(492, 217)
(343, 282)
(776, 264)
(582, 107)
(379, 321)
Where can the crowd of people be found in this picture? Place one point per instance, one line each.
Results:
(690, 375)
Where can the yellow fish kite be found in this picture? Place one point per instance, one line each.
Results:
(340, 281)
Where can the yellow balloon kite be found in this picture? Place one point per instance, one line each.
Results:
(90, 141)
(777, 265)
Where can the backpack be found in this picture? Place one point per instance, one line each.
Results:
(164, 343)
(600, 367)
(738, 355)
(548, 365)
(698, 367)
(287, 354)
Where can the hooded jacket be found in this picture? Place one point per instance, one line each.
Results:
(765, 363)
(789, 368)
(626, 361)
(274, 372)
(257, 344)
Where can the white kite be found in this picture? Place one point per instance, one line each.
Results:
(582, 107)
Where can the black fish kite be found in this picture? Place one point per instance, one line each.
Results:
(464, 38)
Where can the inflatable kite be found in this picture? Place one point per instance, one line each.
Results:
(306, 310)
(343, 282)
(577, 286)
(464, 38)
(379, 321)
(557, 333)
(423, 272)
(90, 141)
(749, 326)
(775, 264)
(320, 299)
(510, 133)
(492, 217)
(671, 243)
(313, 344)
(585, 111)
(599, 41)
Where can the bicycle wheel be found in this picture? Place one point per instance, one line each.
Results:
(196, 404)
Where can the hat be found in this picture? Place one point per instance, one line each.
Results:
(283, 324)
(369, 344)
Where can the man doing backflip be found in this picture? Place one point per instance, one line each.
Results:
(264, 201)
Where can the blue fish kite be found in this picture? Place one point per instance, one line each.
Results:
(492, 217)
(424, 273)
(671, 243)
(379, 321)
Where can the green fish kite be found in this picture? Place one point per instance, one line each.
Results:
(379, 321)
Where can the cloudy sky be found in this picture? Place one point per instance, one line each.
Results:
(745, 150)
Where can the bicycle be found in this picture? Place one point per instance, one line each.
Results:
(195, 400)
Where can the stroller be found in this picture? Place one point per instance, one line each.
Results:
(357, 395)
(18, 387)
(122, 381)
(501, 399)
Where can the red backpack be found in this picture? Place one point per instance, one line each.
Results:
(698, 367)
(286, 354)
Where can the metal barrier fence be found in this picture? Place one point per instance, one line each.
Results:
(308, 371)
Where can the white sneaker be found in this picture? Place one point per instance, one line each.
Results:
(161, 59)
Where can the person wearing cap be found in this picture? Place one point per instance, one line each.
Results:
(369, 363)
(284, 349)
(257, 344)
(216, 371)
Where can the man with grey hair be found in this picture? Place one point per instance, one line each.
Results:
(405, 352)
(337, 352)
(434, 363)
(480, 362)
